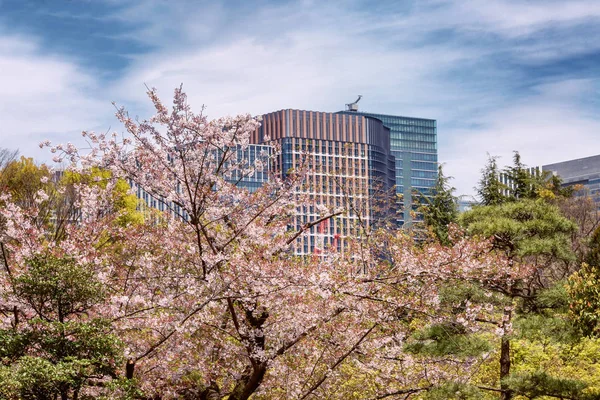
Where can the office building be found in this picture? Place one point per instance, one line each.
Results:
(413, 142)
(581, 171)
(243, 159)
(350, 167)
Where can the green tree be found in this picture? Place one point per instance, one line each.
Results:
(126, 204)
(490, 189)
(56, 347)
(554, 184)
(535, 234)
(523, 184)
(23, 178)
(441, 209)
(584, 290)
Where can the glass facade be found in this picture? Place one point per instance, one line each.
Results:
(245, 174)
(413, 142)
(246, 158)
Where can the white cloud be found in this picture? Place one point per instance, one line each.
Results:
(509, 18)
(320, 56)
(43, 97)
(546, 127)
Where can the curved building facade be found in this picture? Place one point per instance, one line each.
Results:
(414, 144)
(351, 168)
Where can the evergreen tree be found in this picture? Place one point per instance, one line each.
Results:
(522, 182)
(555, 185)
(62, 350)
(527, 184)
(441, 209)
(490, 189)
(535, 234)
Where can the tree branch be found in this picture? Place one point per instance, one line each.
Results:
(338, 362)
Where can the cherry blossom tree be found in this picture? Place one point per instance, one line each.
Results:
(207, 297)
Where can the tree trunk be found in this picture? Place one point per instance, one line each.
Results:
(249, 382)
(129, 368)
(507, 394)
(212, 392)
(505, 367)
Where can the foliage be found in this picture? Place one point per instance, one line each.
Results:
(453, 391)
(208, 300)
(447, 339)
(123, 202)
(490, 189)
(593, 254)
(53, 348)
(533, 234)
(441, 209)
(524, 228)
(584, 289)
(539, 384)
(23, 179)
(523, 183)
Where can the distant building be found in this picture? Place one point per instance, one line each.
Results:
(581, 171)
(509, 185)
(465, 203)
(413, 142)
(351, 167)
(250, 180)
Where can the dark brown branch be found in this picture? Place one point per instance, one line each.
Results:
(401, 392)
(310, 225)
(5, 259)
(233, 316)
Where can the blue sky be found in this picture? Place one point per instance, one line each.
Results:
(498, 75)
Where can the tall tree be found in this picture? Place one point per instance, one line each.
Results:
(23, 179)
(441, 209)
(490, 189)
(522, 182)
(6, 157)
(531, 233)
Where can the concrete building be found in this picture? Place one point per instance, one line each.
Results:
(581, 171)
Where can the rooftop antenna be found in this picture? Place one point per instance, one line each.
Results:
(353, 106)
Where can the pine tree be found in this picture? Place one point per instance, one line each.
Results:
(441, 209)
(535, 234)
(522, 182)
(63, 348)
(490, 188)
